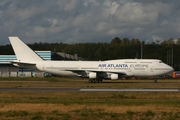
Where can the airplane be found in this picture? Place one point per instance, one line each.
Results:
(96, 71)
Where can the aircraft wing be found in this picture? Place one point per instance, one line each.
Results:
(81, 72)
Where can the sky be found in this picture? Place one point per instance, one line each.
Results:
(82, 21)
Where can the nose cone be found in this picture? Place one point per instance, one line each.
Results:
(171, 69)
(168, 69)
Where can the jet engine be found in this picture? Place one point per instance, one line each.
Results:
(114, 76)
(92, 75)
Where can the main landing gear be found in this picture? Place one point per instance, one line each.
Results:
(155, 80)
(98, 80)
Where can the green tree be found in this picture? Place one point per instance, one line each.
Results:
(178, 41)
(135, 42)
(170, 41)
(116, 40)
(125, 42)
(164, 43)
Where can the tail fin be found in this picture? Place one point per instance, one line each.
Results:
(22, 51)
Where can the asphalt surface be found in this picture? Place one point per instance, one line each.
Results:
(48, 89)
(84, 90)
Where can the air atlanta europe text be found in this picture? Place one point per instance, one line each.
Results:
(114, 65)
(124, 65)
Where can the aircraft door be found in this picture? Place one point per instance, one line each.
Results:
(129, 69)
(44, 67)
(152, 69)
(78, 67)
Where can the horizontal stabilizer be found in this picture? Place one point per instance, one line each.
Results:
(23, 62)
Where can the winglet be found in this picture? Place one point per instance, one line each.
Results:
(22, 51)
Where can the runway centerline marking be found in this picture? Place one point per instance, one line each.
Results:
(130, 90)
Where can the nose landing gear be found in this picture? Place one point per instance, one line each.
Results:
(155, 81)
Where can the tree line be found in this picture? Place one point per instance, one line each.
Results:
(167, 51)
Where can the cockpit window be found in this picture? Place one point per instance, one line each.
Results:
(160, 61)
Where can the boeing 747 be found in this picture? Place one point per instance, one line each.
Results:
(96, 71)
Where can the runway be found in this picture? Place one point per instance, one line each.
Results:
(84, 90)
(130, 90)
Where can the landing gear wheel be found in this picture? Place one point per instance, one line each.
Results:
(100, 80)
(155, 81)
(91, 80)
(95, 80)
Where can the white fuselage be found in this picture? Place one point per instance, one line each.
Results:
(127, 67)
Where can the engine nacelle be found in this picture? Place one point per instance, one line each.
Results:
(114, 76)
(92, 75)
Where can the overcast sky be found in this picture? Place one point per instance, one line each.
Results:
(80, 21)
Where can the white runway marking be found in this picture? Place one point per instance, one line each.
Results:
(130, 90)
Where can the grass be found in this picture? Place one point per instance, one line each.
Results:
(89, 105)
(89, 113)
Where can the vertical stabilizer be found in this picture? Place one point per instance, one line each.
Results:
(22, 51)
